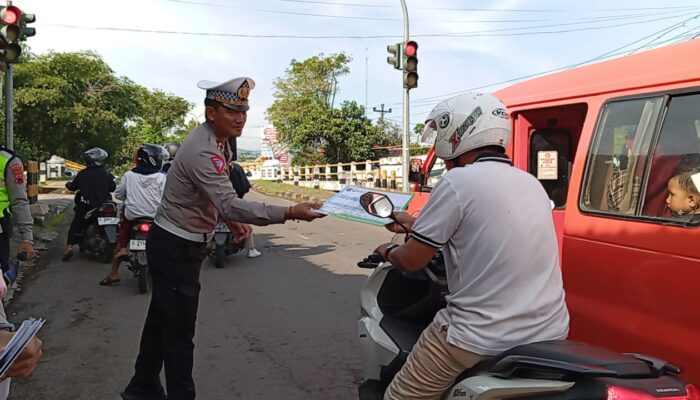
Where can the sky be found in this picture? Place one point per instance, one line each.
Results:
(463, 44)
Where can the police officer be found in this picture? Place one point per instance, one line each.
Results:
(197, 193)
(172, 149)
(13, 200)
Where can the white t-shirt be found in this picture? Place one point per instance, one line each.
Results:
(501, 256)
(141, 194)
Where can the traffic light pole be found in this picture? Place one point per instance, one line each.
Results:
(9, 102)
(406, 120)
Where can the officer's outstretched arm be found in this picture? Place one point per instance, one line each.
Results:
(17, 189)
(209, 175)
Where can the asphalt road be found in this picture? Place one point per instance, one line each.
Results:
(279, 326)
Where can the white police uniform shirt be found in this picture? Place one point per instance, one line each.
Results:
(501, 256)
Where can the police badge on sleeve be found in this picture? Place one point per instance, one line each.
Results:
(219, 164)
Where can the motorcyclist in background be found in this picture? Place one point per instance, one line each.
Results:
(172, 149)
(141, 189)
(94, 186)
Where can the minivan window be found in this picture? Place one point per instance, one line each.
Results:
(677, 152)
(616, 164)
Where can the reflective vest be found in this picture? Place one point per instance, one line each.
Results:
(5, 157)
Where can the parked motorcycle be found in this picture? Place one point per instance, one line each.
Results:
(138, 263)
(396, 306)
(222, 245)
(100, 235)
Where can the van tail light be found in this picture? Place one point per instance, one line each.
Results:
(620, 393)
(144, 228)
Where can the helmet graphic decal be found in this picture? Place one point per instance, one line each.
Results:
(469, 122)
(444, 120)
(455, 139)
(500, 112)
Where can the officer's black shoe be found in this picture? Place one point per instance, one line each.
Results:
(140, 394)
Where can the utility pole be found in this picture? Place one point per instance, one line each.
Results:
(406, 118)
(366, 79)
(382, 111)
(9, 106)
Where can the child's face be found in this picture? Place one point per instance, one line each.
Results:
(679, 200)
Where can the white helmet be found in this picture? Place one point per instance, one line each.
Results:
(467, 122)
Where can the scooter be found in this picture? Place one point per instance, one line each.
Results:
(100, 235)
(138, 263)
(222, 245)
(396, 306)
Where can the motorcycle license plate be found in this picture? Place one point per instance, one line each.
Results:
(137, 245)
(107, 221)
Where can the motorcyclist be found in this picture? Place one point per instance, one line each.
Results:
(494, 224)
(172, 149)
(141, 189)
(93, 185)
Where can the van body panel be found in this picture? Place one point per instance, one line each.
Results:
(670, 65)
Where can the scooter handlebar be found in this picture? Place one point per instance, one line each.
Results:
(371, 261)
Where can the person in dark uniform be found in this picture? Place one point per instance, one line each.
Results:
(198, 193)
(13, 201)
(241, 185)
(94, 186)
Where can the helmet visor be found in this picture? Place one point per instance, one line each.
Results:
(429, 132)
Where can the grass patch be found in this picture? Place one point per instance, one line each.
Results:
(55, 221)
(271, 188)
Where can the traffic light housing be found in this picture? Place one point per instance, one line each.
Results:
(24, 30)
(410, 65)
(10, 17)
(395, 58)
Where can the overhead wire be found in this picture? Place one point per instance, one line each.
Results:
(481, 9)
(608, 54)
(307, 14)
(430, 102)
(270, 36)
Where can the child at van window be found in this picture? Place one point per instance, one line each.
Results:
(683, 194)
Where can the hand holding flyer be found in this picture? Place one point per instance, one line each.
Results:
(346, 204)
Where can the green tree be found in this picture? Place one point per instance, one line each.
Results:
(351, 136)
(67, 102)
(310, 125)
(160, 119)
(303, 107)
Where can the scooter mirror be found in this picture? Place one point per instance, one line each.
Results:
(378, 205)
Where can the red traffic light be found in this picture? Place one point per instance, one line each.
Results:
(10, 15)
(410, 48)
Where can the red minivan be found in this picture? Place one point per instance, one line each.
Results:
(604, 140)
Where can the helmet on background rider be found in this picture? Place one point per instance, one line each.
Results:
(95, 157)
(467, 122)
(150, 155)
(172, 149)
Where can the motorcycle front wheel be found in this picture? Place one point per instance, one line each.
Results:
(144, 279)
(107, 253)
(219, 255)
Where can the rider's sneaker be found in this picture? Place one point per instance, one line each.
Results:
(253, 253)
